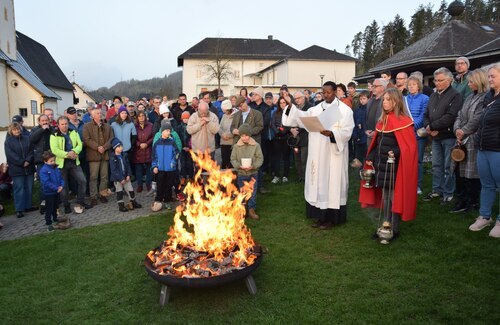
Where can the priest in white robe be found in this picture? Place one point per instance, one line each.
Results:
(326, 179)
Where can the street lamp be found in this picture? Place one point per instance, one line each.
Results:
(321, 76)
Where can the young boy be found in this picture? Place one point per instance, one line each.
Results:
(247, 147)
(358, 133)
(164, 165)
(52, 184)
(119, 167)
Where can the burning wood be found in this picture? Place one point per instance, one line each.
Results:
(209, 236)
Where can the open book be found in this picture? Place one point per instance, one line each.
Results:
(323, 121)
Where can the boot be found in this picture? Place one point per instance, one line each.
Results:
(252, 214)
(121, 207)
(136, 205)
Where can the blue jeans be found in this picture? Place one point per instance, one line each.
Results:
(23, 189)
(489, 174)
(252, 203)
(421, 150)
(139, 173)
(443, 181)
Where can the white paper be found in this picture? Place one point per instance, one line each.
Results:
(323, 121)
(311, 123)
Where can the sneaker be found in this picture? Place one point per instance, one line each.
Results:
(446, 200)
(459, 207)
(480, 224)
(275, 180)
(168, 206)
(495, 232)
(50, 228)
(431, 196)
(419, 191)
(285, 180)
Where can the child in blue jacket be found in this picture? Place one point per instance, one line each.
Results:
(358, 133)
(164, 165)
(119, 167)
(52, 184)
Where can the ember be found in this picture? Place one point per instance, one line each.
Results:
(209, 236)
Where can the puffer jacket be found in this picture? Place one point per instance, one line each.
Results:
(386, 141)
(144, 135)
(165, 155)
(51, 179)
(247, 150)
(17, 151)
(488, 134)
(119, 167)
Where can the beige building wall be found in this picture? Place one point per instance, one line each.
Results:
(8, 28)
(194, 79)
(20, 97)
(4, 96)
(83, 97)
(307, 73)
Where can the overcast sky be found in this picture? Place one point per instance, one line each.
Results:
(105, 41)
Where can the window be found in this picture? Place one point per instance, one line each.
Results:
(237, 74)
(34, 107)
(5, 14)
(8, 47)
(23, 112)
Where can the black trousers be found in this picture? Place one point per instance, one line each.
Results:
(164, 183)
(225, 151)
(51, 204)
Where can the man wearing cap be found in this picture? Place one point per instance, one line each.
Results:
(246, 114)
(131, 111)
(203, 126)
(97, 138)
(74, 123)
(66, 144)
(461, 82)
(258, 104)
(180, 107)
(326, 178)
(19, 119)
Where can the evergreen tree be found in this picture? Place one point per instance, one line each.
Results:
(371, 40)
(441, 17)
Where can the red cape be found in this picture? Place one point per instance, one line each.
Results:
(405, 188)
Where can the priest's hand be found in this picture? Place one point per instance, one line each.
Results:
(326, 133)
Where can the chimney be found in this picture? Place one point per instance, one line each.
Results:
(270, 37)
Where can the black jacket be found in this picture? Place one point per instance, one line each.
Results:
(17, 151)
(373, 111)
(40, 142)
(488, 134)
(177, 111)
(266, 116)
(303, 134)
(442, 111)
(378, 155)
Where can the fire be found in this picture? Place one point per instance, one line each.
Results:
(209, 236)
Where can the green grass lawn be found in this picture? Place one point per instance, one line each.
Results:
(436, 272)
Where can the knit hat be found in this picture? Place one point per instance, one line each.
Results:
(115, 143)
(185, 115)
(463, 58)
(122, 109)
(165, 125)
(226, 105)
(240, 100)
(258, 91)
(245, 129)
(164, 109)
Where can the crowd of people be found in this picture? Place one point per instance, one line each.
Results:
(131, 147)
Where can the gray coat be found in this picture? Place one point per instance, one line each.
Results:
(468, 120)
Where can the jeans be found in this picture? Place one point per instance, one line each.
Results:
(139, 173)
(252, 203)
(75, 172)
(23, 189)
(489, 173)
(443, 181)
(281, 152)
(421, 150)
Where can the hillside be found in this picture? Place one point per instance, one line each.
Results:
(170, 85)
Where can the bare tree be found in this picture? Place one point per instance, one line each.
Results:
(219, 66)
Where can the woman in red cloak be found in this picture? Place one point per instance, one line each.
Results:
(395, 138)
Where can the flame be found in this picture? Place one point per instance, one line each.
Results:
(209, 227)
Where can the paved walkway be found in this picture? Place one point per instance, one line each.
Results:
(33, 223)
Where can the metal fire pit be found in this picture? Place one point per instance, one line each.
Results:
(169, 281)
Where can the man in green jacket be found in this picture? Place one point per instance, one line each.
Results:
(66, 144)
